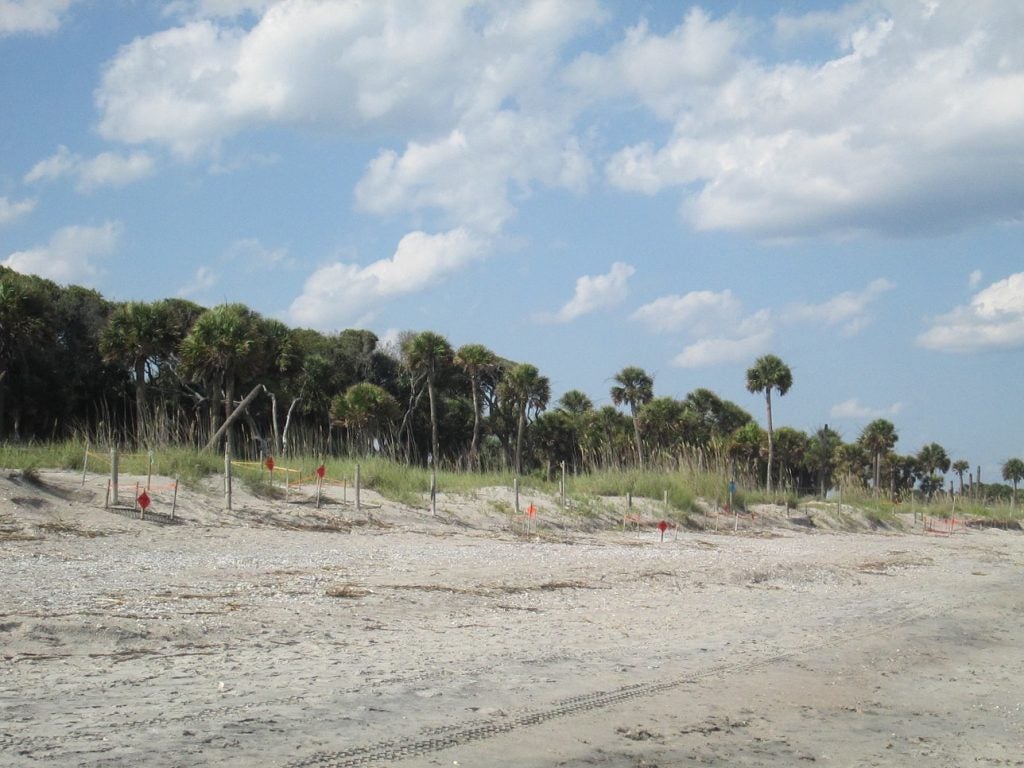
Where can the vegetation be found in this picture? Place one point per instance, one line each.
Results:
(170, 376)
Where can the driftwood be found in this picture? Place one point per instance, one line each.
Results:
(233, 417)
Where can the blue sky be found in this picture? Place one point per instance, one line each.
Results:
(583, 185)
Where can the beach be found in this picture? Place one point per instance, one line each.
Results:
(281, 635)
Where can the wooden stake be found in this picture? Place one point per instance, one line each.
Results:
(227, 478)
(85, 461)
(113, 475)
(174, 499)
(358, 505)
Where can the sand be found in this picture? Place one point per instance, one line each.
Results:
(279, 635)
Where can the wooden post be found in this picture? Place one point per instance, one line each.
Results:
(174, 499)
(515, 491)
(113, 475)
(227, 478)
(106, 499)
(149, 477)
(563, 485)
(136, 505)
(433, 491)
(358, 504)
(85, 461)
(319, 485)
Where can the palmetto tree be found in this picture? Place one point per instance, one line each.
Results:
(475, 359)
(932, 458)
(523, 386)
(878, 438)
(225, 342)
(365, 409)
(634, 387)
(959, 467)
(768, 373)
(136, 333)
(426, 355)
(1013, 472)
(578, 408)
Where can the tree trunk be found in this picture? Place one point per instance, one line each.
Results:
(771, 438)
(474, 445)
(519, 440)
(433, 422)
(273, 423)
(140, 401)
(287, 423)
(636, 436)
(232, 418)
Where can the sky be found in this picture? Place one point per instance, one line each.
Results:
(578, 184)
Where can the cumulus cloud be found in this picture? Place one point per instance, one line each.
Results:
(31, 16)
(203, 281)
(994, 319)
(595, 292)
(852, 409)
(340, 292)
(905, 130)
(14, 209)
(71, 254)
(848, 309)
(107, 169)
(721, 330)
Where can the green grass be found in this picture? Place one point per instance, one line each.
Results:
(411, 485)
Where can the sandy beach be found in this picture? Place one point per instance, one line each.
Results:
(281, 635)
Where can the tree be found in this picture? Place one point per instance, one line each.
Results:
(878, 438)
(1013, 472)
(136, 333)
(364, 410)
(932, 458)
(475, 360)
(427, 354)
(959, 467)
(527, 390)
(768, 373)
(578, 408)
(634, 387)
(224, 343)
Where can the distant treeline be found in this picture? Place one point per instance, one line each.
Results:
(170, 372)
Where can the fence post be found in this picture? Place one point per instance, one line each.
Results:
(515, 491)
(85, 461)
(113, 475)
(227, 477)
(358, 505)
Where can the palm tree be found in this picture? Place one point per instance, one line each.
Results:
(135, 334)
(427, 354)
(1013, 471)
(930, 458)
(528, 390)
(577, 407)
(960, 466)
(768, 373)
(634, 387)
(225, 343)
(475, 359)
(364, 409)
(878, 438)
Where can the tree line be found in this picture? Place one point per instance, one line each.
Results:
(173, 372)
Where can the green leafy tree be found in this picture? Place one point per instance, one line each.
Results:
(635, 388)
(768, 373)
(366, 410)
(225, 343)
(960, 466)
(578, 408)
(527, 390)
(878, 438)
(427, 355)
(1013, 473)
(475, 360)
(822, 456)
(931, 460)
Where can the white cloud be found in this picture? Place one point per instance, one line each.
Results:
(721, 330)
(14, 209)
(697, 313)
(254, 256)
(594, 292)
(974, 279)
(848, 308)
(714, 351)
(31, 16)
(905, 130)
(203, 281)
(852, 409)
(207, 9)
(993, 320)
(107, 169)
(70, 255)
(339, 292)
